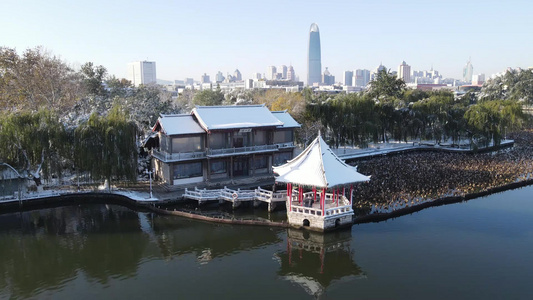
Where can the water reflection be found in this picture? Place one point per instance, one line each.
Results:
(315, 261)
(176, 236)
(90, 247)
(44, 249)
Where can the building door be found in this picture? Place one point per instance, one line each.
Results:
(240, 166)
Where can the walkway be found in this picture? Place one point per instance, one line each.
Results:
(238, 196)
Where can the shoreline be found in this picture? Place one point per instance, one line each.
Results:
(379, 217)
(76, 198)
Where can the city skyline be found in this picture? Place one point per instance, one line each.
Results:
(188, 42)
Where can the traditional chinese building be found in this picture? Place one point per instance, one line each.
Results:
(221, 143)
(317, 184)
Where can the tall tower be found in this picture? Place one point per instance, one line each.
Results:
(314, 65)
(468, 71)
(404, 72)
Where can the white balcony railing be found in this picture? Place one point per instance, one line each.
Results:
(172, 157)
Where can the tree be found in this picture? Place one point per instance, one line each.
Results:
(106, 146)
(36, 79)
(386, 85)
(93, 79)
(33, 142)
(208, 97)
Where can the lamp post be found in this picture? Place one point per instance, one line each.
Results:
(150, 175)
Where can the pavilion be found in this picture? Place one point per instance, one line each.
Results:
(317, 183)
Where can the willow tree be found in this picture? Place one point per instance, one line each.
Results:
(106, 146)
(491, 119)
(33, 142)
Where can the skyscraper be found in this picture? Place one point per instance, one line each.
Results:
(291, 76)
(468, 71)
(404, 72)
(271, 73)
(314, 64)
(283, 71)
(361, 77)
(142, 72)
(327, 78)
(347, 79)
(237, 75)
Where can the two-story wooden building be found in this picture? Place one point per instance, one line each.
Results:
(217, 143)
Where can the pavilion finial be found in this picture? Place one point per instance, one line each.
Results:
(319, 133)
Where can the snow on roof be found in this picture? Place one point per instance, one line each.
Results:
(286, 118)
(178, 124)
(318, 166)
(238, 116)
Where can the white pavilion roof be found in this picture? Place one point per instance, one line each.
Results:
(318, 166)
(235, 116)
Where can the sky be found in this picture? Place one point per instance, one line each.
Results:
(189, 38)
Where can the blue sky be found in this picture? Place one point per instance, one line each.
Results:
(188, 38)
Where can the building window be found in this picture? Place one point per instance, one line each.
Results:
(217, 140)
(188, 170)
(187, 144)
(260, 137)
(261, 162)
(219, 167)
(281, 137)
(281, 158)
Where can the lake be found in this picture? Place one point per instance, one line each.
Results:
(476, 249)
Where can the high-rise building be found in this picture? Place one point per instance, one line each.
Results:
(237, 76)
(142, 72)
(327, 78)
(348, 77)
(404, 72)
(291, 76)
(271, 73)
(205, 79)
(219, 77)
(468, 71)
(283, 71)
(314, 62)
(374, 73)
(478, 79)
(189, 81)
(256, 76)
(361, 77)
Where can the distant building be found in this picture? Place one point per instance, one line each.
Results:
(468, 71)
(327, 78)
(189, 81)
(374, 73)
(404, 72)
(271, 73)
(237, 76)
(256, 76)
(205, 79)
(361, 77)
(142, 72)
(219, 77)
(314, 61)
(282, 70)
(348, 78)
(478, 79)
(291, 76)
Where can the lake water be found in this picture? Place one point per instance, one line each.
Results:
(481, 249)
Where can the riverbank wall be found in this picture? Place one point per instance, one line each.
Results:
(379, 217)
